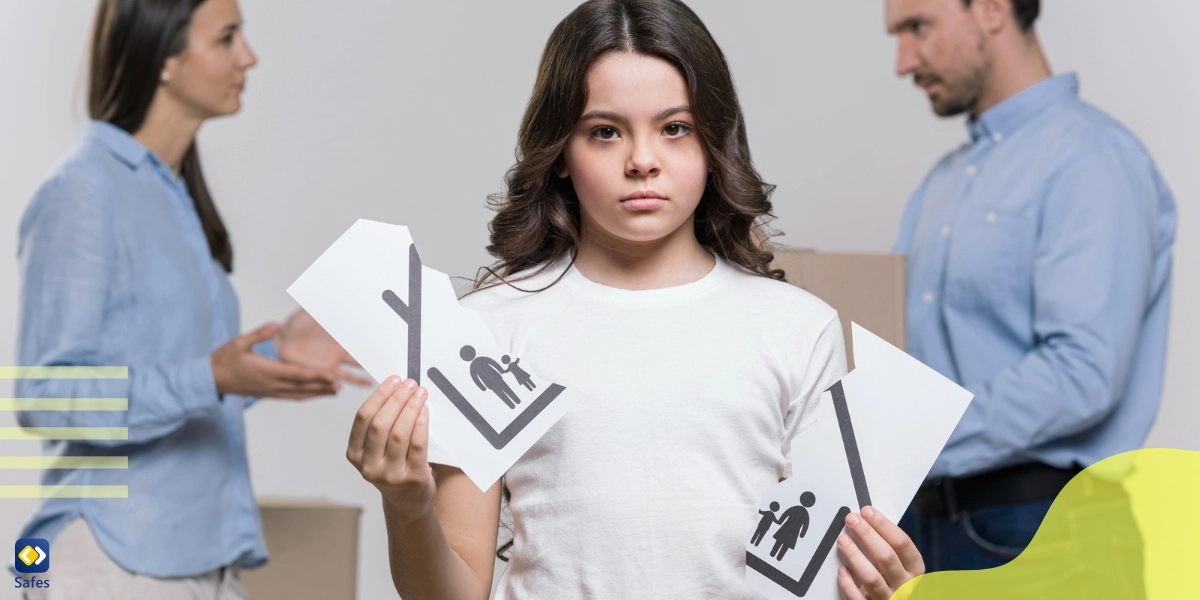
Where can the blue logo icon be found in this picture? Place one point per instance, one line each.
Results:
(32, 555)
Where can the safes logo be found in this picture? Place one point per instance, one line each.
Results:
(33, 555)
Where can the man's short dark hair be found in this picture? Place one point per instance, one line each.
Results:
(1025, 11)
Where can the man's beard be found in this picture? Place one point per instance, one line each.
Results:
(960, 97)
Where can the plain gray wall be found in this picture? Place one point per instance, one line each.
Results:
(407, 112)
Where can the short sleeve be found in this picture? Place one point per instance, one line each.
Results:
(826, 365)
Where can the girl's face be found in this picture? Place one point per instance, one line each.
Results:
(208, 77)
(637, 166)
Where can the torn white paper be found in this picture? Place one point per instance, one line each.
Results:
(878, 432)
(395, 316)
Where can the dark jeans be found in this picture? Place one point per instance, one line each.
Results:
(979, 539)
(1089, 548)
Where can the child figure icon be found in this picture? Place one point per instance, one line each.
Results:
(523, 378)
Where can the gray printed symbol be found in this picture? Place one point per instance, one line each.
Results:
(522, 377)
(793, 524)
(799, 587)
(488, 375)
(485, 372)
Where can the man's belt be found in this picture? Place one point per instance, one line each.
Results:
(1012, 485)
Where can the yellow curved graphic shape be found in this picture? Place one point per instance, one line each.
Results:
(1126, 527)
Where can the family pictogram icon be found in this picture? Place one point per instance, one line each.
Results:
(489, 375)
(793, 524)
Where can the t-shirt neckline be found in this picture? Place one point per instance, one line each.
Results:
(720, 272)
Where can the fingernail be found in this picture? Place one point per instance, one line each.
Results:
(422, 393)
(843, 540)
(391, 381)
(409, 385)
(852, 519)
(868, 512)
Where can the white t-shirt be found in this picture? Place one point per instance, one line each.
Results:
(690, 397)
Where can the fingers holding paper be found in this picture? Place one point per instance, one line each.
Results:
(879, 556)
(389, 444)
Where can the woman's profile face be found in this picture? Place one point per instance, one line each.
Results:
(636, 164)
(208, 77)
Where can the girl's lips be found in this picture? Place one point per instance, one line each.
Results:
(643, 203)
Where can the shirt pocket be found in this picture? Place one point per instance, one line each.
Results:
(989, 263)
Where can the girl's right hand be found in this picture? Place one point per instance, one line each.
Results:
(389, 445)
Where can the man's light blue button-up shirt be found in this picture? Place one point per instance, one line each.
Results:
(1039, 278)
(116, 271)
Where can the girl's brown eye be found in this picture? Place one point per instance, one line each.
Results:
(675, 130)
(606, 133)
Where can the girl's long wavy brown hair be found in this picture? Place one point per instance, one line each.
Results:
(537, 217)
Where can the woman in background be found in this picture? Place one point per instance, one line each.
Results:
(125, 261)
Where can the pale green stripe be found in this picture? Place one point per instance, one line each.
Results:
(64, 491)
(64, 372)
(64, 433)
(64, 462)
(64, 404)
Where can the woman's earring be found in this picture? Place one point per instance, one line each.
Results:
(164, 77)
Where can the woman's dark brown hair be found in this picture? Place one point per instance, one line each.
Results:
(537, 219)
(131, 41)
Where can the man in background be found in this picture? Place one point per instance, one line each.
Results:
(1039, 278)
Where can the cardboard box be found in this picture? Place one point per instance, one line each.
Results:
(313, 544)
(868, 289)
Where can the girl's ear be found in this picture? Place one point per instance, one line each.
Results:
(560, 168)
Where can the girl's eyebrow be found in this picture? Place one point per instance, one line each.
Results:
(612, 116)
(674, 110)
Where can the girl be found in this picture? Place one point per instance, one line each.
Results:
(124, 262)
(628, 271)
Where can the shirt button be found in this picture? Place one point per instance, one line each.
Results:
(998, 136)
(946, 230)
(928, 297)
(991, 217)
(971, 170)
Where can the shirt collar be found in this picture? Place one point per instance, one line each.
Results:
(1002, 120)
(118, 142)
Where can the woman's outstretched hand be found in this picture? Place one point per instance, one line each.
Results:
(389, 445)
(302, 341)
(237, 369)
(881, 557)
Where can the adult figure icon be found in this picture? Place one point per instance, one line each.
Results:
(793, 526)
(488, 375)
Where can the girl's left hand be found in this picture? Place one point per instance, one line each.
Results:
(880, 560)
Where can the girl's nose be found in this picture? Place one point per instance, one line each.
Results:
(643, 162)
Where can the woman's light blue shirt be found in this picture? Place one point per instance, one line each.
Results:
(116, 271)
